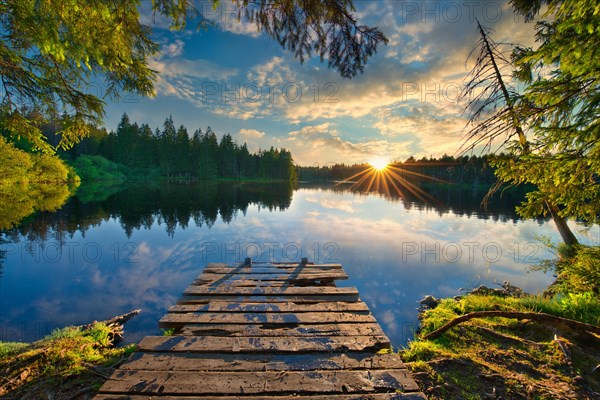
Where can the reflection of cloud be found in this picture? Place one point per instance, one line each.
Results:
(342, 205)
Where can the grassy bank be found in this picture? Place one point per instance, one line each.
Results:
(71, 363)
(510, 358)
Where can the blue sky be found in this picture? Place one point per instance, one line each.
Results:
(239, 81)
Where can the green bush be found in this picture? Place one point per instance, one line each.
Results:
(98, 168)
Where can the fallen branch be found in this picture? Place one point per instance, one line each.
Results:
(575, 325)
(116, 325)
(115, 321)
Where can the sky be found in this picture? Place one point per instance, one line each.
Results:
(237, 80)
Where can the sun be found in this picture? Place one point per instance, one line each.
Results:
(379, 164)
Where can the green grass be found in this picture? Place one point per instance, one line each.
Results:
(511, 355)
(9, 348)
(62, 362)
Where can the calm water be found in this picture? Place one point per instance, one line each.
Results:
(141, 246)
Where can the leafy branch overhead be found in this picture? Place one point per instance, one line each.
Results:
(51, 50)
(551, 124)
(327, 28)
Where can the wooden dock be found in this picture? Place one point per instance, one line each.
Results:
(265, 331)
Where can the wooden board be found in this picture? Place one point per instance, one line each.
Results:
(265, 283)
(213, 344)
(266, 330)
(272, 275)
(368, 396)
(143, 361)
(178, 319)
(270, 271)
(282, 298)
(274, 265)
(233, 307)
(287, 291)
(244, 383)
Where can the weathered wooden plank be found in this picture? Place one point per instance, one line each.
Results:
(225, 306)
(178, 319)
(286, 291)
(266, 330)
(362, 396)
(305, 298)
(214, 344)
(265, 283)
(143, 361)
(273, 276)
(273, 265)
(266, 382)
(270, 271)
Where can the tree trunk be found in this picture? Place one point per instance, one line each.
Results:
(561, 224)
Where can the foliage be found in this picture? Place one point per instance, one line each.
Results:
(560, 105)
(97, 168)
(44, 70)
(584, 307)
(327, 28)
(577, 270)
(30, 182)
(49, 365)
(10, 348)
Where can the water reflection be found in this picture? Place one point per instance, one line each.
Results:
(441, 198)
(140, 246)
(141, 206)
(22, 200)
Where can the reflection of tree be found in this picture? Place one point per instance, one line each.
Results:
(2, 257)
(21, 200)
(171, 206)
(454, 199)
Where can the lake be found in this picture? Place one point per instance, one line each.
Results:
(111, 250)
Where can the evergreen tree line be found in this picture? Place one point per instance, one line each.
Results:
(174, 153)
(471, 170)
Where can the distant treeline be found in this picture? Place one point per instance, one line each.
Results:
(471, 170)
(174, 153)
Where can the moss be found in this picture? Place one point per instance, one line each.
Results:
(64, 362)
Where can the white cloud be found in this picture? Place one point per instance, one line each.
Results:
(174, 49)
(314, 130)
(251, 133)
(225, 16)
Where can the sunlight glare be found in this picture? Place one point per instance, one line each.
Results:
(379, 164)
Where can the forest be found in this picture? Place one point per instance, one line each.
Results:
(172, 152)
